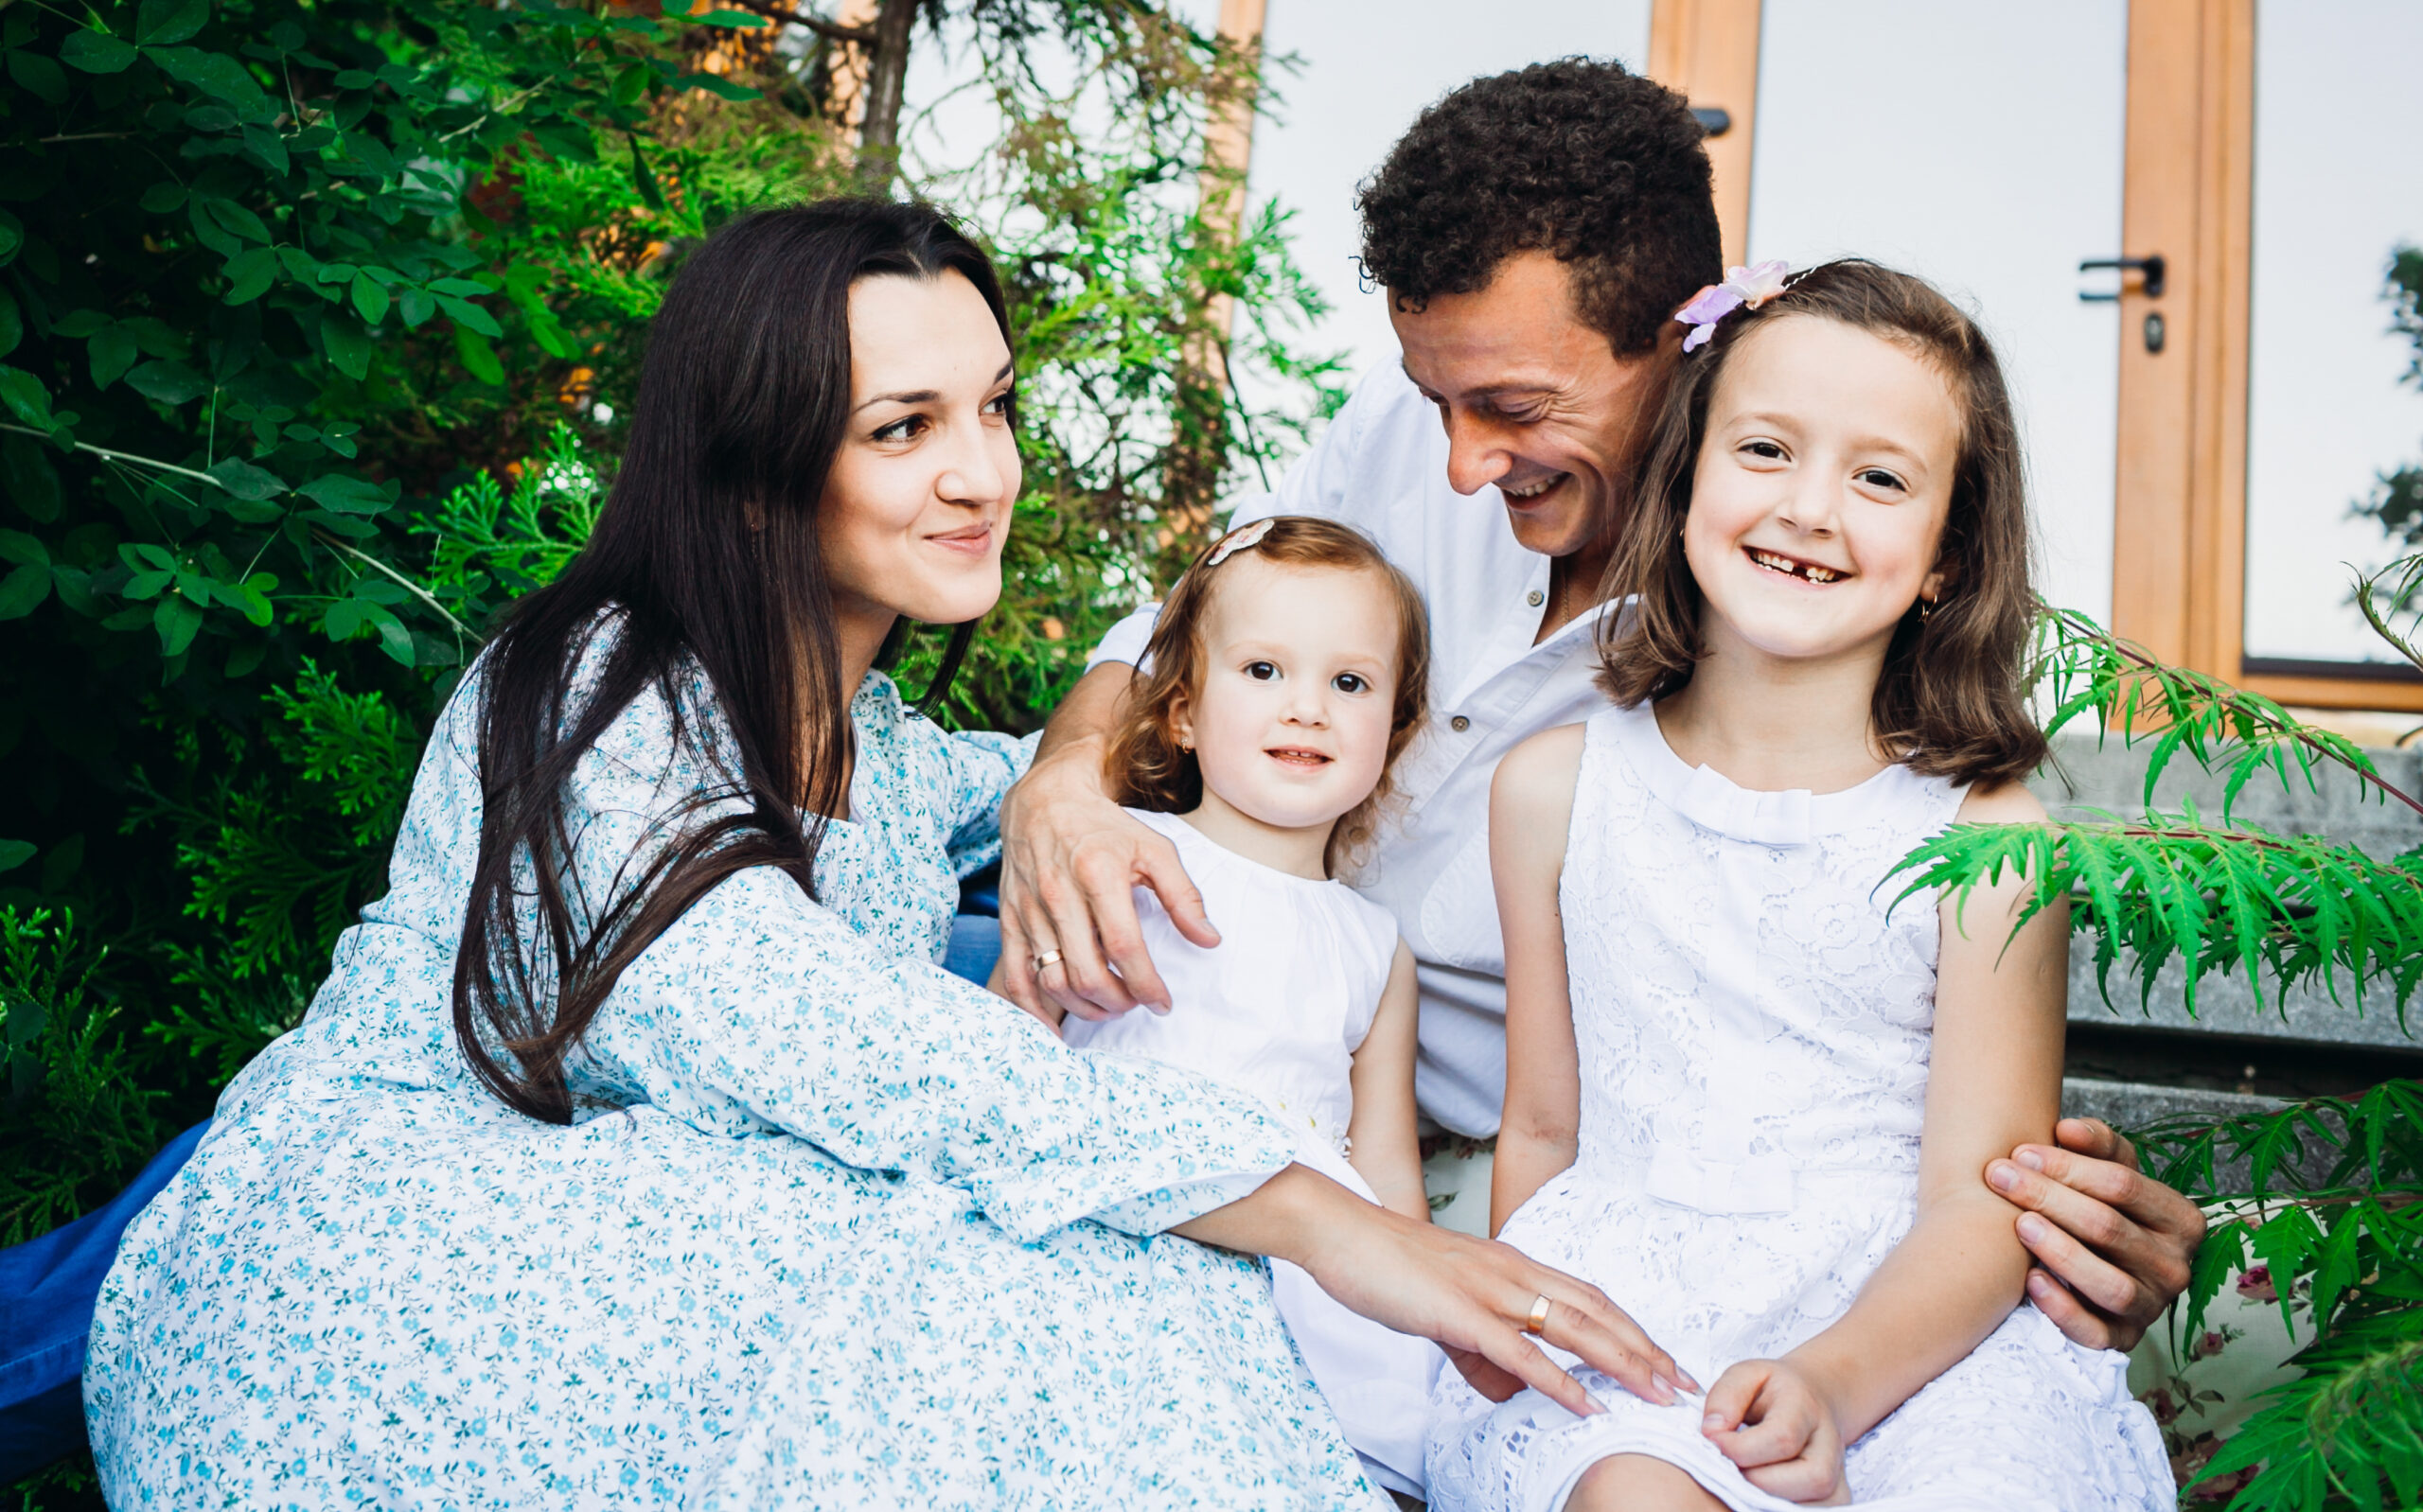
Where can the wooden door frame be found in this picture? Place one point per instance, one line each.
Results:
(1708, 51)
(2179, 526)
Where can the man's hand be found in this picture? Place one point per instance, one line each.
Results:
(1069, 857)
(2112, 1246)
(1767, 1416)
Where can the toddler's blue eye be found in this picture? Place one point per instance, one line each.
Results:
(1350, 682)
(1260, 671)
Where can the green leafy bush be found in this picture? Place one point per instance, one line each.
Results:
(66, 1109)
(318, 324)
(254, 318)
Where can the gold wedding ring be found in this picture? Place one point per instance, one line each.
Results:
(1049, 958)
(1539, 1314)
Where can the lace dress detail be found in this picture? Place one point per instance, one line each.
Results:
(1752, 1015)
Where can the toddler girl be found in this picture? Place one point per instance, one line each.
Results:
(1287, 671)
(1747, 1095)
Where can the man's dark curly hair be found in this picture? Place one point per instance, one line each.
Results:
(1585, 160)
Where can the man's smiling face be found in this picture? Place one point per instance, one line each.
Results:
(1534, 401)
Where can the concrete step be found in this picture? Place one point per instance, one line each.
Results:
(2308, 1042)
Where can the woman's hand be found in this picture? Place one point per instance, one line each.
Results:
(1473, 1296)
(1772, 1419)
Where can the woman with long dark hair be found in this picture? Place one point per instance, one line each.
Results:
(636, 1151)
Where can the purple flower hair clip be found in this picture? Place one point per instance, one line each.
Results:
(1744, 288)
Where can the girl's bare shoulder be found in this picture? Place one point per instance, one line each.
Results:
(1534, 781)
(2001, 804)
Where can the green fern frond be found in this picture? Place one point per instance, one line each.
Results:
(2398, 586)
(2349, 1432)
(2088, 670)
(228, 1018)
(2280, 909)
(491, 546)
(75, 1121)
(356, 745)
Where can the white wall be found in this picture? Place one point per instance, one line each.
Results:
(1368, 68)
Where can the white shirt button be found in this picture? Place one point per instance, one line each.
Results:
(1460, 723)
(1534, 598)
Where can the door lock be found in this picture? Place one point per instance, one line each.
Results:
(2152, 269)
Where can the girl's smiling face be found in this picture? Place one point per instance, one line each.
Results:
(1290, 727)
(1821, 495)
(918, 501)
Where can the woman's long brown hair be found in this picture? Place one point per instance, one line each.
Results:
(705, 565)
(1147, 767)
(1952, 700)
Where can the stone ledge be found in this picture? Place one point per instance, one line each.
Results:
(2227, 1005)
(2087, 774)
(2133, 1104)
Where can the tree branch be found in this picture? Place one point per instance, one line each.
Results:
(107, 455)
(887, 71)
(461, 630)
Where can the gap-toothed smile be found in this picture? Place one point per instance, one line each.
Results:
(1795, 566)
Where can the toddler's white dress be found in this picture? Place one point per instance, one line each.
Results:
(1753, 1020)
(1276, 1010)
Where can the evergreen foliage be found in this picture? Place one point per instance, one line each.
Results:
(2333, 1202)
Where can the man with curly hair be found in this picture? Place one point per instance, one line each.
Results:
(1536, 233)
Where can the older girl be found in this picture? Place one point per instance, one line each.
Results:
(635, 1152)
(1747, 1092)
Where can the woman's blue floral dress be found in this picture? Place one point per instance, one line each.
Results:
(834, 1230)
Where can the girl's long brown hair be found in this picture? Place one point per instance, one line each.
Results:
(1952, 700)
(1146, 768)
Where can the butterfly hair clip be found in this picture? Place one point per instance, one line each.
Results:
(1742, 289)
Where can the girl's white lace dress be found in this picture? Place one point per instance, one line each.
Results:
(1752, 1017)
(832, 1229)
(1276, 1010)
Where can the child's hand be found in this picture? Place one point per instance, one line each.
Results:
(1768, 1417)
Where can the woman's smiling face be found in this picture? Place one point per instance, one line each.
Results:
(1819, 498)
(918, 501)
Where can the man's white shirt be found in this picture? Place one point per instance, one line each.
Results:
(1382, 466)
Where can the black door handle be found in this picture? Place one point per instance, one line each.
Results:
(2153, 267)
